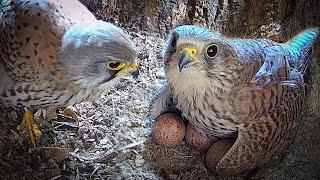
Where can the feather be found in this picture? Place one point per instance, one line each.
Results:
(294, 54)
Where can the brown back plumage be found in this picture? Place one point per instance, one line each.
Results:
(31, 34)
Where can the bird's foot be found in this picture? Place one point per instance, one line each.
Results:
(32, 128)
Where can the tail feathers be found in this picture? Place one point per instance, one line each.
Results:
(4, 4)
(299, 46)
(294, 55)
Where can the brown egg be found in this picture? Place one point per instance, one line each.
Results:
(168, 130)
(216, 151)
(196, 140)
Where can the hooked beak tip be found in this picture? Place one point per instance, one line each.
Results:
(136, 73)
(133, 69)
(184, 60)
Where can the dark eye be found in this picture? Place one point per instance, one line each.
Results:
(115, 65)
(212, 50)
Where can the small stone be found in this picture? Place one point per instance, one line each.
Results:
(55, 153)
(70, 111)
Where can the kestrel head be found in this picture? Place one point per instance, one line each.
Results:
(193, 54)
(97, 54)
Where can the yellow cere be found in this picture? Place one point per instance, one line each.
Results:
(192, 52)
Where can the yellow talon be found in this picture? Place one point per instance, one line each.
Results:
(29, 124)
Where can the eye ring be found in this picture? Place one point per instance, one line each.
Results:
(212, 50)
(115, 65)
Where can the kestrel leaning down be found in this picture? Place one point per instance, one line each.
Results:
(56, 53)
(252, 89)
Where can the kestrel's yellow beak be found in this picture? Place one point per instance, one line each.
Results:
(187, 55)
(132, 68)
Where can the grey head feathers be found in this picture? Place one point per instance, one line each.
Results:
(89, 47)
(100, 34)
(192, 32)
(189, 34)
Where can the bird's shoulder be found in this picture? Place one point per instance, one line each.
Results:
(32, 31)
(56, 15)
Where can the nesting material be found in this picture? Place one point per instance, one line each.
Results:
(196, 140)
(216, 152)
(168, 130)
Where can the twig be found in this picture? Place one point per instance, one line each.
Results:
(66, 124)
(56, 177)
(112, 153)
(181, 154)
(94, 171)
(132, 145)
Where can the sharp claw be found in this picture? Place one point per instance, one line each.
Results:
(32, 128)
(36, 131)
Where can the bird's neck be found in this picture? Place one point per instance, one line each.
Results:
(198, 90)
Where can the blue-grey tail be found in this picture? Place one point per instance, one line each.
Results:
(299, 47)
(4, 5)
(294, 55)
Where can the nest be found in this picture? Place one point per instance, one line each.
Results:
(111, 137)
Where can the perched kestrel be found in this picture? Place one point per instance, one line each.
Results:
(56, 53)
(251, 89)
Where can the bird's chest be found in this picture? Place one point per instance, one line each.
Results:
(208, 111)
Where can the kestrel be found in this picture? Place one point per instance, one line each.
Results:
(56, 53)
(251, 89)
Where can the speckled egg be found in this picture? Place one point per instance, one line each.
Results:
(196, 140)
(216, 152)
(168, 130)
